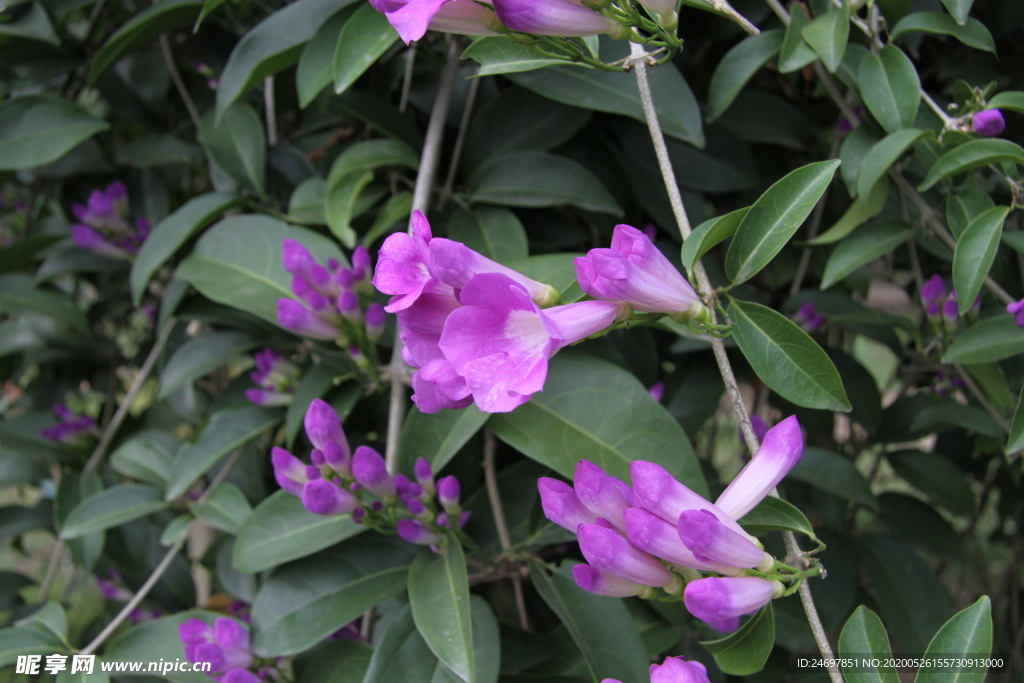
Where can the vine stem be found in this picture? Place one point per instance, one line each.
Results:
(639, 57)
(165, 563)
(129, 398)
(494, 496)
(420, 198)
(179, 85)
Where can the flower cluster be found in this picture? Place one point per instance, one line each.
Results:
(660, 534)
(72, 429)
(225, 645)
(103, 225)
(942, 309)
(674, 670)
(476, 330)
(808, 318)
(988, 123)
(342, 482)
(276, 377)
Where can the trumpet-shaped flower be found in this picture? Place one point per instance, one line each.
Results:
(600, 582)
(412, 18)
(781, 449)
(403, 266)
(454, 264)
(562, 506)
(605, 495)
(605, 549)
(718, 600)
(709, 541)
(678, 670)
(554, 18)
(225, 644)
(655, 536)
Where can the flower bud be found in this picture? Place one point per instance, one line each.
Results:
(599, 582)
(1016, 309)
(321, 497)
(657, 537)
(323, 427)
(562, 506)
(362, 270)
(780, 451)
(602, 493)
(553, 18)
(678, 670)
(413, 531)
(424, 475)
(448, 494)
(710, 541)
(607, 550)
(716, 600)
(988, 123)
(289, 471)
(293, 316)
(371, 472)
(348, 306)
(375, 319)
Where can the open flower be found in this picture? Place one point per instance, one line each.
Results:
(72, 429)
(103, 227)
(225, 644)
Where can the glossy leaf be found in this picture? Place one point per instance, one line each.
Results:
(237, 143)
(774, 218)
(968, 635)
(334, 661)
(972, 155)
(775, 514)
(595, 624)
(959, 9)
(988, 341)
(226, 431)
(973, 33)
(938, 478)
(884, 154)
(975, 253)
(304, 602)
(363, 39)
(745, 652)
(1015, 441)
(403, 655)
(439, 597)
(708, 234)
(227, 509)
(1012, 100)
(112, 507)
(437, 437)
(16, 642)
(964, 207)
(890, 88)
(786, 359)
(170, 233)
(494, 232)
(864, 636)
(201, 355)
(738, 66)
(142, 29)
(316, 65)
(828, 34)
(869, 243)
(595, 410)
(146, 457)
(855, 216)
(499, 55)
(795, 54)
(832, 472)
(39, 129)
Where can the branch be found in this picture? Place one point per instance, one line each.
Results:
(420, 198)
(179, 84)
(129, 398)
(271, 111)
(718, 347)
(494, 496)
(467, 112)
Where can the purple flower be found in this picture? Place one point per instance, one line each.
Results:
(951, 310)
(808, 318)
(436, 385)
(241, 676)
(759, 426)
(658, 492)
(322, 497)
(72, 429)
(657, 537)
(362, 268)
(710, 541)
(412, 18)
(717, 600)
(1017, 310)
(678, 670)
(634, 271)
(293, 316)
(371, 472)
(105, 209)
(289, 472)
(657, 391)
(323, 427)
(424, 475)
(403, 262)
(554, 18)
(375, 319)
(500, 340)
(448, 491)
(933, 291)
(297, 260)
(988, 123)
(88, 238)
(607, 550)
(348, 306)
(413, 531)
(420, 326)
(455, 264)
(605, 495)
(225, 644)
(599, 582)
(780, 450)
(562, 506)
(265, 397)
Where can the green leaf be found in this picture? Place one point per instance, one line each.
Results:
(864, 635)
(40, 129)
(890, 88)
(499, 55)
(775, 514)
(1012, 100)
(208, 7)
(598, 625)
(71, 491)
(146, 456)
(31, 23)
(828, 34)
(973, 33)
(158, 150)
(990, 340)
(535, 179)
(238, 262)
(50, 617)
(18, 294)
(744, 652)
(738, 66)
(334, 661)
(363, 39)
(774, 218)
(786, 359)
(396, 208)
(968, 635)
(971, 155)
(237, 143)
(227, 509)
(175, 530)
(595, 410)
(912, 601)
(200, 356)
(832, 472)
(280, 529)
(437, 437)
(113, 507)
(795, 53)
(884, 154)
(616, 93)
(708, 234)
(855, 216)
(142, 29)
(959, 9)
(97, 676)
(975, 253)
(226, 431)
(439, 597)
(17, 519)
(964, 207)
(306, 601)
(15, 642)
(316, 65)
(314, 384)
(272, 46)
(340, 196)
(938, 478)
(494, 232)
(1015, 441)
(920, 524)
(170, 233)
(869, 243)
